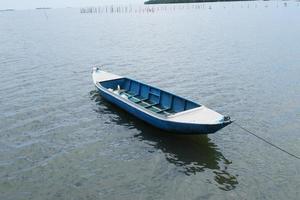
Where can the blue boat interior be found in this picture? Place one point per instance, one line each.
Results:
(151, 98)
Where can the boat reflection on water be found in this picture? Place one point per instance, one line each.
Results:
(192, 154)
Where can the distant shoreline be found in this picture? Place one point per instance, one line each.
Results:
(46, 8)
(187, 1)
(5, 10)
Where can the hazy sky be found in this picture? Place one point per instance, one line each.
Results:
(27, 4)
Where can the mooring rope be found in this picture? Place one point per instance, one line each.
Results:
(266, 141)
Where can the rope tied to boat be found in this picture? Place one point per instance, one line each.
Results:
(266, 141)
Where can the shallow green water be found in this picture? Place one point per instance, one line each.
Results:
(60, 140)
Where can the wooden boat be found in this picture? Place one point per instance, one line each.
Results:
(157, 107)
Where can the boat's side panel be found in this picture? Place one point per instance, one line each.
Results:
(166, 100)
(145, 91)
(113, 84)
(159, 123)
(135, 87)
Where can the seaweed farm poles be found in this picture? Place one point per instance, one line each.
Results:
(138, 9)
(107, 9)
(150, 9)
(113, 9)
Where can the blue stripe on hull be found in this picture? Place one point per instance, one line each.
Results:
(162, 124)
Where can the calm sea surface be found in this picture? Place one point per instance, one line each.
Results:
(60, 140)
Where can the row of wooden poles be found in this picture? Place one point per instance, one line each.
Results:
(139, 9)
(171, 7)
